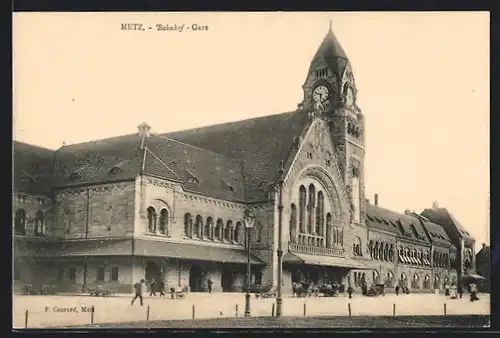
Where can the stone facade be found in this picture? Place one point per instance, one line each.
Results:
(168, 194)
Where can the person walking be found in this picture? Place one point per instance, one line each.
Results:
(350, 291)
(138, 291)
(162, 288)
(397, 290)
(209, 284)
(460, 290)
(153, 287)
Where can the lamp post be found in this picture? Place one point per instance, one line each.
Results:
(249, 220)
(279, 300)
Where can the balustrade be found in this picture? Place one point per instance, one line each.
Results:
(315, 250)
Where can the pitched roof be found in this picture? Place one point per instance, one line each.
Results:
(443, 217)
(259, 144)
(331, 51)
(436, 233)
(400, 224)
(32, 167)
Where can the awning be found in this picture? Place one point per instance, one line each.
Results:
(401, 258)
(426, 262)
(473, 276)
(301, 258)
(151, 248)
(419, 261)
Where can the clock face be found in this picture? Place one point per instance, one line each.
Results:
(320, 93)
(349, 97)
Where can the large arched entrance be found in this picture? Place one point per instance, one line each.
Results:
(153, 271)
(195, 278)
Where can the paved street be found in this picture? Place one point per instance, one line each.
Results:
(118, 309)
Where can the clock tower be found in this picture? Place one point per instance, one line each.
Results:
(330, 93)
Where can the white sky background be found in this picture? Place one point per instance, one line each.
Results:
(423, 81)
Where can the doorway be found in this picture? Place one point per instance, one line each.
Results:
(195, 278)
(227, 278)
(153, 271)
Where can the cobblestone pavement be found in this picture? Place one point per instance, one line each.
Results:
(63, 310)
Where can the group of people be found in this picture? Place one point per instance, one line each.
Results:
(138, 288)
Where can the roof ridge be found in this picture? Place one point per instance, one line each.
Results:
(32, 145)
(166, 166)
(98, 140)
(195, 147)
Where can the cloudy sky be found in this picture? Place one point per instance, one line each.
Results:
(423, 81)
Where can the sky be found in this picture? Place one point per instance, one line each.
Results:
(422, 80)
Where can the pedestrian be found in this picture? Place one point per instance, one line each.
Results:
(350, 291)
(153, 287)
(162, 288)
(446, 289)
(397, 290)
(460, 290)
(209, 284)
(138, 291)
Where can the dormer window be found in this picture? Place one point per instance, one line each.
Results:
(74, 176)
(193, 180)
(115, 170)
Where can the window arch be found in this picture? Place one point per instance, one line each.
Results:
(403, 280)
(320, 217)
(330, 238)
(389, 279)
(293, 223)
(375, 250)
(208, 228)
(427, 280)
(386, 252)
(259, 228)
(436, 281)
(310, 208)
(219, 227)
(375, 277)
(39, 226)
(381, 251)
(188, 225)
(391, 253)
(151, 219)
(198, 226)
(228, 233)
(370, 247)
(416, 281)
(238, 235)
(357, 247)
(163, 221)
(20, 222)
(302, 208)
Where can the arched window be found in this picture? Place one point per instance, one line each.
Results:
(302, 208)
(436, 281)
(188, 225)
(320, 217)
(198, 226)
(228, 231)
(403, 280)
(416, 284)
(293, 223)
(163, 221)
(375, 251)
(386, 252)
(238, 236)
(391, 253)
(20, 222)
(370, 247)
(375, 277)
(427, 282)
(357, 247)
(310, 208)
(219, 227)
(389, 279)
(39, 228)
(151, 219)
(207, 229)
(330, 239)
(259, 228)
(381, 251)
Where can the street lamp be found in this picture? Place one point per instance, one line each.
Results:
(279, 300)
(249, 220)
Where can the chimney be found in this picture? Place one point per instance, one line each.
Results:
(375, 199)
(143, 131)
(484, 245)
(435, 205)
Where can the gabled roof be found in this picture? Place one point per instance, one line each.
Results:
(32, 167)
(400, 224)
(444, 218)
(259, 144)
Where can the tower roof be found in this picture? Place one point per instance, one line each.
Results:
(331, 52)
